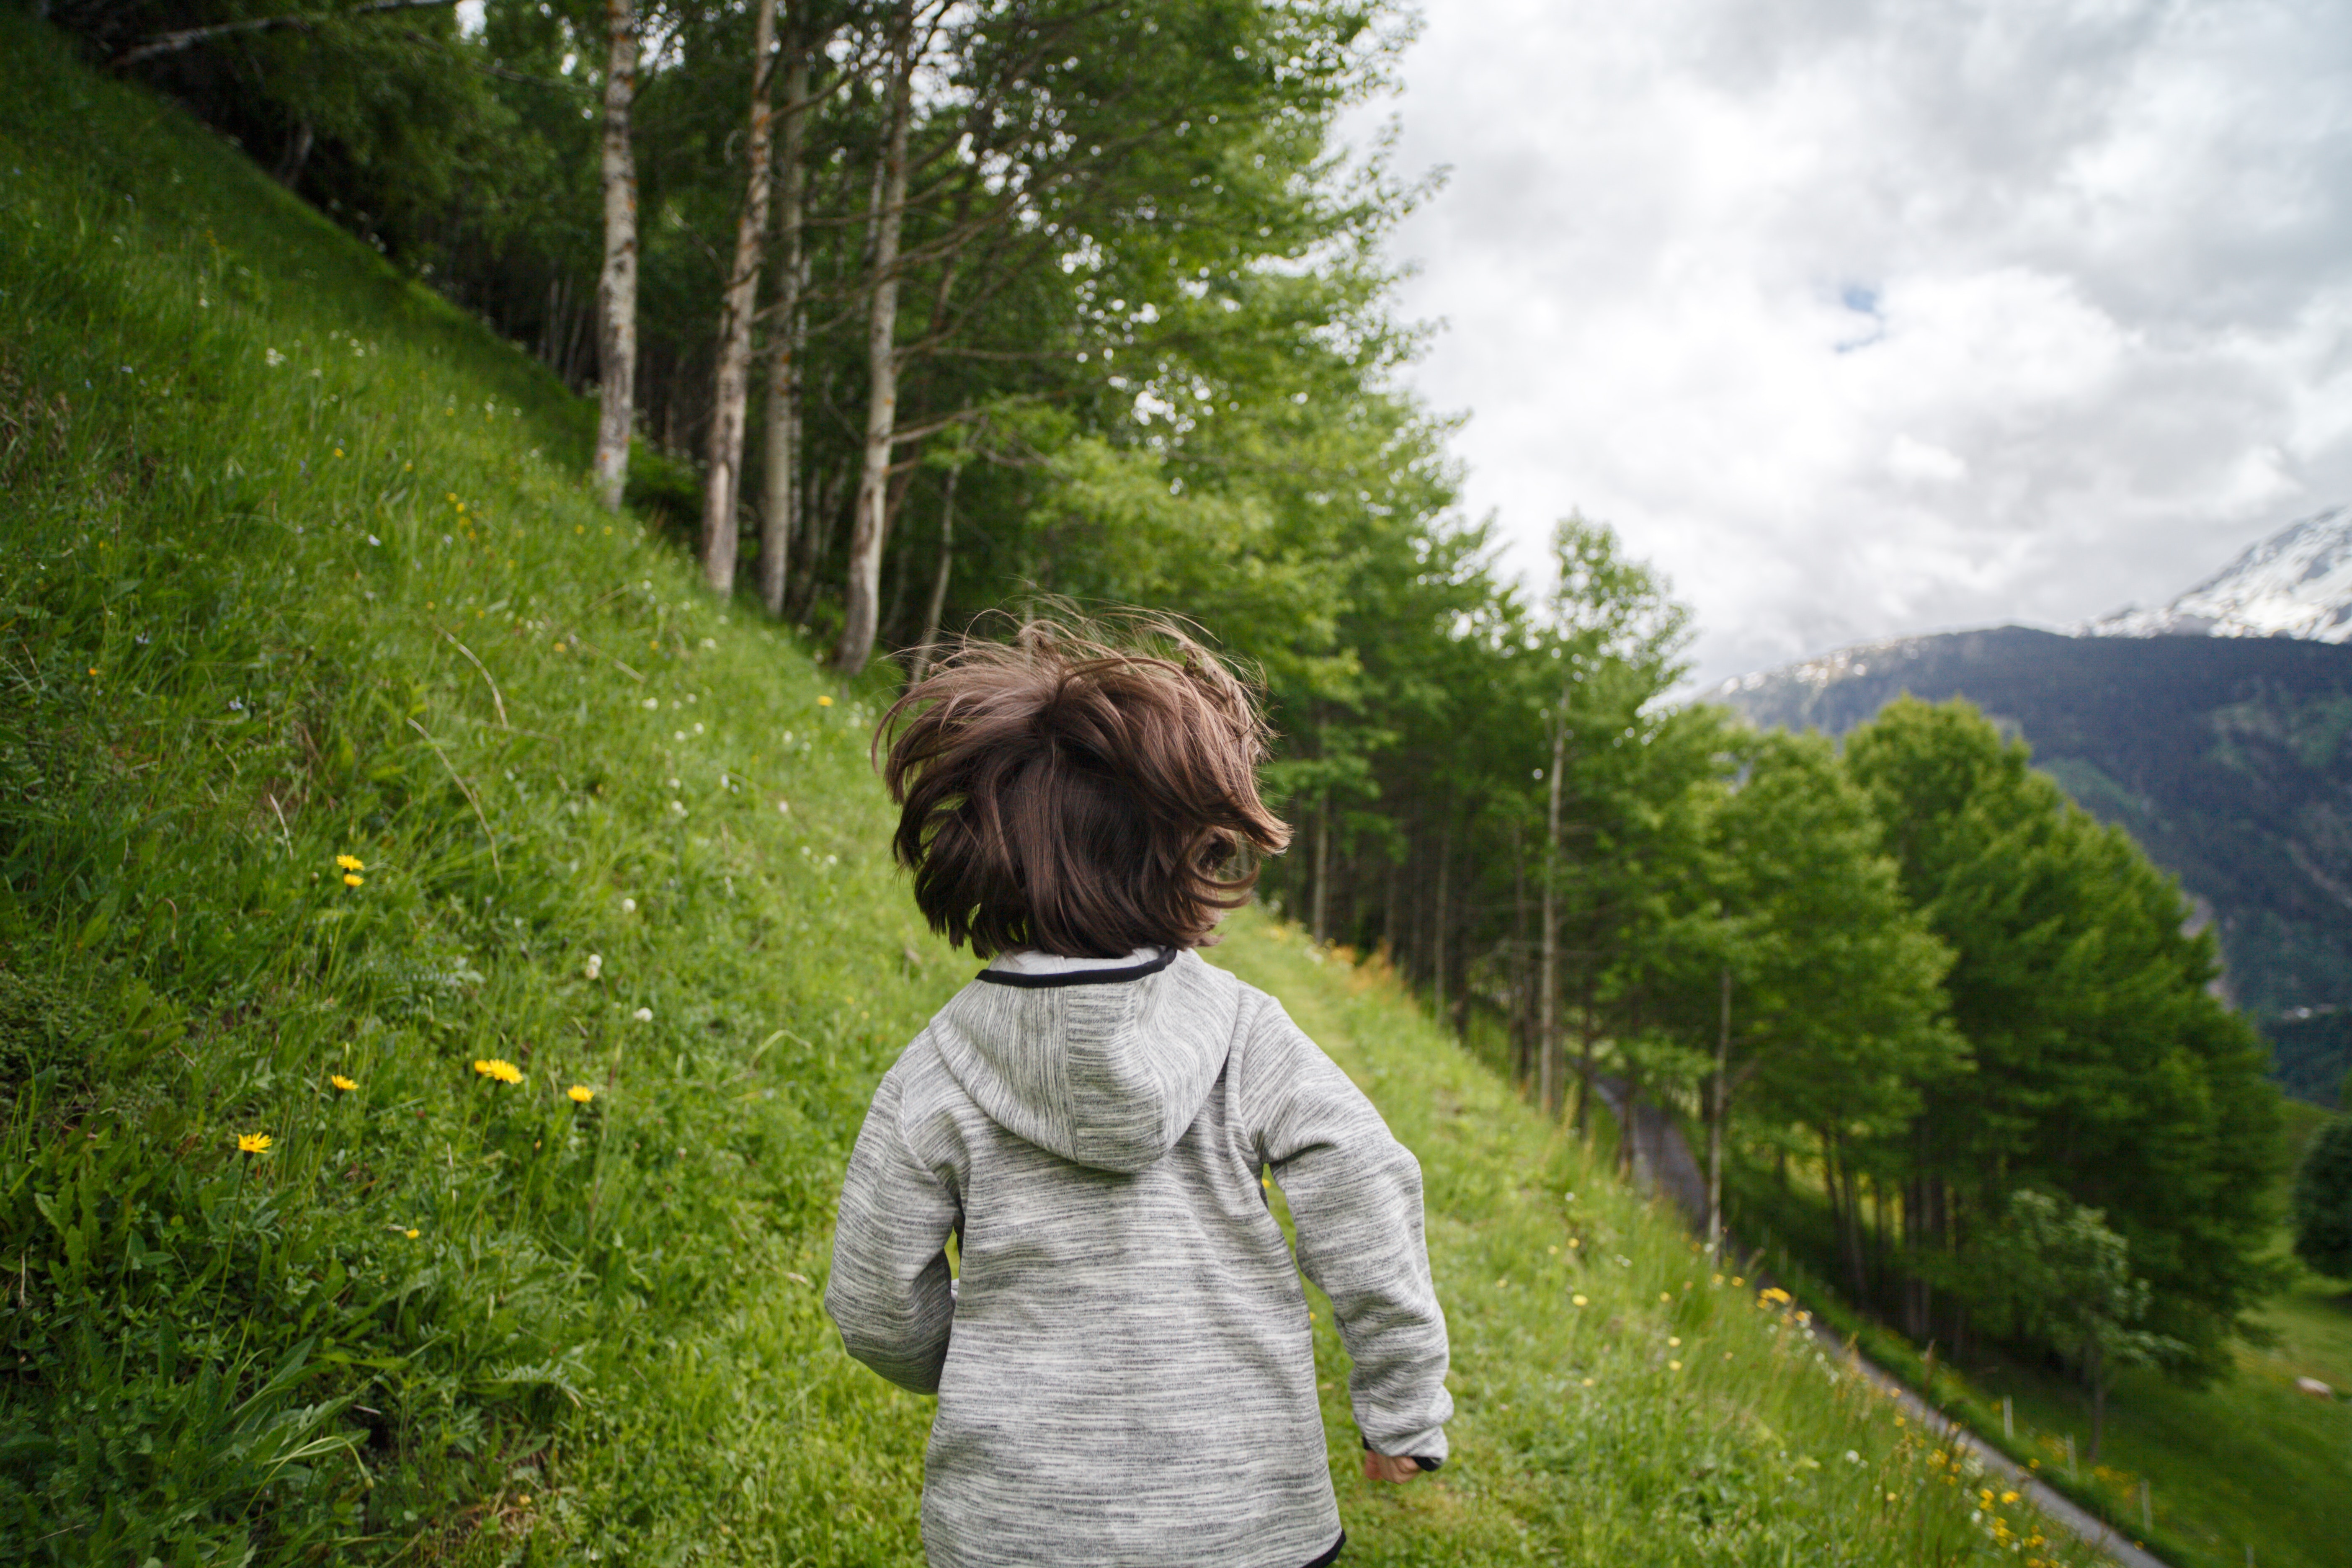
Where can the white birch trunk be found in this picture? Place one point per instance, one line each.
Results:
(780, 497)
(616, 284)
(733, 379)
(862, 592)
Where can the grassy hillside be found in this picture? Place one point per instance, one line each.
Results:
(2248, 1463)
(444, 957)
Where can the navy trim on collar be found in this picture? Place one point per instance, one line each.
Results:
(1080, 977)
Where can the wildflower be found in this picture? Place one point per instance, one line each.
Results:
(581, 1093)
(1674, 1339)
(272, 358)
(2009, 1497)
(1578, 1301)
(499, 1069)
(628, 905)
(353, 879)
(351, 862)
(412, 1236)
(595, 966)
(339, 452)
(1772, 1293)
(1665, 1295)
(643, 1015)
(253, 1142)
(1673, 1366)
(824, 701)
(1852, 1457)
(651, 703)
(339, 1081)
(1575, 1241)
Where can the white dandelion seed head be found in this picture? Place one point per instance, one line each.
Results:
(643, 1015)
(628, 905)
(652, 703)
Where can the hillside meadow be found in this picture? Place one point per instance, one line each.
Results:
(444, 957)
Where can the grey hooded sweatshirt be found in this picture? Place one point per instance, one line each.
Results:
(1125, 1369)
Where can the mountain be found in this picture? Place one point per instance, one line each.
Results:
(2227, 758)
(2295, 584)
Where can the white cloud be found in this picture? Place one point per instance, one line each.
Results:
(1866, 319)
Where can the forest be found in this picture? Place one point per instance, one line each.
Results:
(900, 315)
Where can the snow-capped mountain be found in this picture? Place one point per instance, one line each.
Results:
(2295, 584)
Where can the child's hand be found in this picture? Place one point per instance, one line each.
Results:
(1389, 1467)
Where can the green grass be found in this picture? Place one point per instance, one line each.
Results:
(296, 563)
(2247, 1462)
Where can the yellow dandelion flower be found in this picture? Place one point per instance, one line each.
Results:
(499, 1067)
(2009, 1497)
(351, 862)
(412, 1236)
(824, 701)
(253, 1142)
(339, 1081)
(581, 1093)
(353, 879)
(1673, 1366)
(93, 670)
(1578, 1301)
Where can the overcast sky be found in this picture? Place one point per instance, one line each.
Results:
(1863, 320)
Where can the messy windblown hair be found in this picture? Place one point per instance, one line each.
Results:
(1080, 792)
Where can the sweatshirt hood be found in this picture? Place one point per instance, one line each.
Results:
(1105, 1072)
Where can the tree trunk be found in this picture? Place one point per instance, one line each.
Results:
(1718, 1106)
(732, 380)
(1591, 1033)
(1547, 977)
(781, 466)
(1322, 904)
(616, 284)
(1437, 939)
(937, 606)
(1522, 988)
(862, 591)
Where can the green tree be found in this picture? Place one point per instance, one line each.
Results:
(2103, 1065)
(1827, 999)
(2322, 1201)
(2068, 1278)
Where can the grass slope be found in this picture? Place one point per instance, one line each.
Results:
(365, 790)
(2250, 1463)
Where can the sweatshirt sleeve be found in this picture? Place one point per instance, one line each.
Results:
(1355, 1194)
(890, 1292)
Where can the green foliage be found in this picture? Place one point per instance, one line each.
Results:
(2321, 1205)
(2067, 1278)
(2100, 1064)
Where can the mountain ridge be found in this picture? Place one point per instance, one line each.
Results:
(2295, 584)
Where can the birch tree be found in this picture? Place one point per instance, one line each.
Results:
(616, 284)
(732, 378)
(862, 591)
(780, 488)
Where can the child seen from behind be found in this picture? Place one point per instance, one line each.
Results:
(1125, 1366)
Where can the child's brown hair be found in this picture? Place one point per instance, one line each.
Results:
(1077, 795)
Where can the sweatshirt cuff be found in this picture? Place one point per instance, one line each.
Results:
(1426, 1450)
